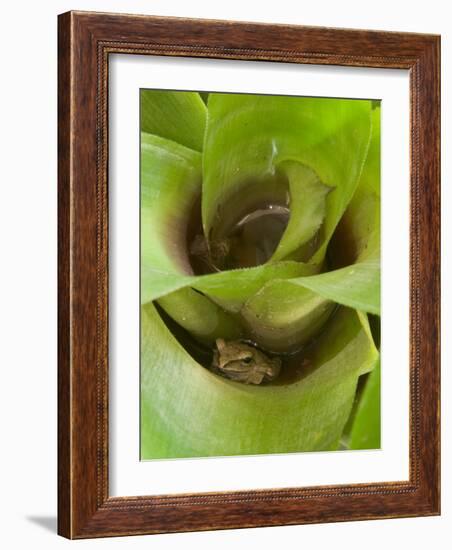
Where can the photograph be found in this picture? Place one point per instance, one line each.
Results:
(230, 353)
(223, 250)
(259, 274)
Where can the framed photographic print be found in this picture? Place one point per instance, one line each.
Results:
(248, 275)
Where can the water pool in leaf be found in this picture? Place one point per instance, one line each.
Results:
(249, 243)
(260, 229)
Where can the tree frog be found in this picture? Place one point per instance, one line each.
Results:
(242, 362)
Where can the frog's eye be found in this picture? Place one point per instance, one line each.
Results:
(247, 359)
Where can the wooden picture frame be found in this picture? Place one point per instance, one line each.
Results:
(85, 42)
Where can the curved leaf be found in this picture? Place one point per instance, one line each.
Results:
(186, 411)
(357, 236)
(286, 314)
(307, 210)
(203, 319)
(356, 286)
(233, 288)
(282, 317)
(230, 288)
(310, 151)
(170, 185)
(247, 136)
(365, 430)
(177, 116)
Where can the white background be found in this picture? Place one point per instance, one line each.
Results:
(28, 275)
(128, 476)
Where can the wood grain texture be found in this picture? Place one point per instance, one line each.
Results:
(85, 42)
(64, 295)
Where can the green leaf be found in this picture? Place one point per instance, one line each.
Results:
(357, 285)
(230, 288)
(307, 210)
(233, 288)
(170, 186)
(282, 317)
(370, 177)
(249, 137)
(203, 319)
(286, 314)
(365, 431)
(356, 243)
(259, 150)
(357, 236)
(186, 411)
(177, 116)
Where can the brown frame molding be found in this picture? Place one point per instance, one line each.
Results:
(85, 41)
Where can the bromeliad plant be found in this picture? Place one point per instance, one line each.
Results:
(260, 237)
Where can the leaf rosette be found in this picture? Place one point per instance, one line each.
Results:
(260, 222)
